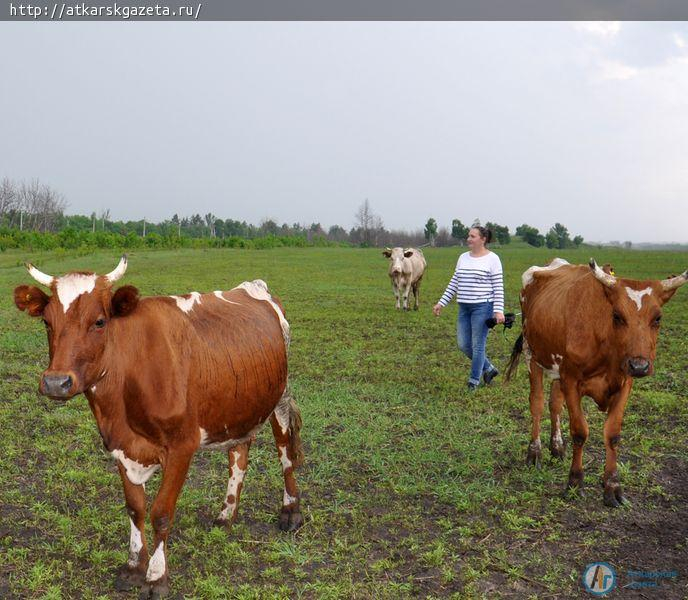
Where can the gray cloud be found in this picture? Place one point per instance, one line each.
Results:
(302, 121)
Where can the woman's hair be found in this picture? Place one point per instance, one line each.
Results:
(485, 233)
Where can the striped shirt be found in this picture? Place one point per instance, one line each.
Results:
(476, 280)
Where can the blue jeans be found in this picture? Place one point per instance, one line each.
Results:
(471, 335)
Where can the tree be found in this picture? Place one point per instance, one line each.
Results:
(268, 227)
(431, 231)
(459, 231)
(442, 238)
(369, 224)
(578, 240)
(210, 219)
(337, 234)
(558, 237)
(530, 235)
(104, 216)
(500, 232)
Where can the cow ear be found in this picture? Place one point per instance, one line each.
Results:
(31, 299)
(387, 253)
(124, 301)
(408, 253)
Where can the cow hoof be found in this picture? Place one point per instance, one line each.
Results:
(128, 579)
(557, 450)
(415, 307)
(154, 590)
(573, 492)
(574, 487)
(290, 520)
(223, 523)
(534, 457)
(614, 498)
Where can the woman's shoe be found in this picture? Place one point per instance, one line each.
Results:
(488, 376)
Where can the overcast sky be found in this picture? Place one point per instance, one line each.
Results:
(582, 123)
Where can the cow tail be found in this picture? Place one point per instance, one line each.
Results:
(295, 423)
(512, 365)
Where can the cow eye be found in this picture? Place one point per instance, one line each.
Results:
(618, 319)
(100, 323)
(656, 321)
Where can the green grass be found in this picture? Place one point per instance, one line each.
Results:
(411, 486)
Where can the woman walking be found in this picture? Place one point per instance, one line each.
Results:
(478, 285)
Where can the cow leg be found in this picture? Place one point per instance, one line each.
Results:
(238, 463)
(162, 514)
(579, 435)
(537, 405)
(557, 447)
(288, 447)
(133, 574)
(416, 294)
(613, 495)
(395, 289)
(406, 291)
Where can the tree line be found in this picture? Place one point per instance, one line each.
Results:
(33, 214)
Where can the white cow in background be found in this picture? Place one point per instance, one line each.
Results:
(406, 268)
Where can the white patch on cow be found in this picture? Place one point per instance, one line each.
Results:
(637, 295)
(137, 473)
(218, 293)
(93, 388)
(258, 289)
(282, 413)
(70, 287)
(527, 277)
(225, 444)
(135, 545)
(156, 565)
(557, 439)
(527, 354)
(284, 458)
(233, 487)
(553, 371)
(187, 304)
(288, 500)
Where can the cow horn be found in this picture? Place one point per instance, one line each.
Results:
(119, 271)
(673, 282)
(39, 276)
(606, 278)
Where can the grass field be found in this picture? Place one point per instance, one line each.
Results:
(411, 487)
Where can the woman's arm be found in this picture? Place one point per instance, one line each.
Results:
(497, 279)
(451, 290)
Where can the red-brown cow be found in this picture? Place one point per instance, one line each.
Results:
(593, 334)
(165, 376)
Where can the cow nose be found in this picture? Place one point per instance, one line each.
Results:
(56, 386)
(638, 366)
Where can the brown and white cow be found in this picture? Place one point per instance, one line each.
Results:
(165, 376)
(406, 268)
(592, 333)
